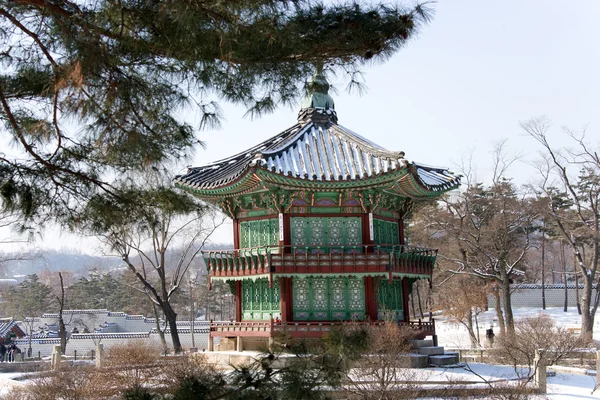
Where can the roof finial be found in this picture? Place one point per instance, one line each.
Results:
(317, 99)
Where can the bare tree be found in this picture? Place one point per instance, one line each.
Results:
(462, 298)
(158, 236)
(570, 183)
(483, 231)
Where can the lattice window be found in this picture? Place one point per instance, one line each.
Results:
(301, 300)
(256, 295)
(320, 298)
(389, 299)
(326, 232)
(273, 231)
(259, 233)
(385, 232)
(353, 231)
(328, 298)
(316, 231)
(336, 231)
(298, 231)
(259, 301)
(356, 292)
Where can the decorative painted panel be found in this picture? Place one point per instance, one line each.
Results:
(259, 301)
(336, 231)
(356, 298)
(353, 231)
(316, 231)
(389, 300)
(318, 299)
(300, 298)
(298, 231)
(326, 233)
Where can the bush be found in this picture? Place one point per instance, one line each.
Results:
(535, 333)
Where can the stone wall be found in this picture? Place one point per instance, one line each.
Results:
(530, 295)
(84, 344)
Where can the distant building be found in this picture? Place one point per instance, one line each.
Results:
(10, 330)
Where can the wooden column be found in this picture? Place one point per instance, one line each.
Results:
(401, 231)
(287, 234)
(236, 234)
(366, 237)
(285, 287)
(238, 301)
(405, 299)
(370, 299)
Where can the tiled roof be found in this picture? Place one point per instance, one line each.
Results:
(6, 324)
(318, 151)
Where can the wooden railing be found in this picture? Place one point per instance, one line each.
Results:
(302, 328)
(300, 260)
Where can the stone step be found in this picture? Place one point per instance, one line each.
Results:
(443, 359)
(431, 350)
(419, 360)
(415, 344)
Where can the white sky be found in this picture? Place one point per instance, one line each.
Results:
(478, 69)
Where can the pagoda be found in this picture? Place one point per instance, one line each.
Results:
(318, 228)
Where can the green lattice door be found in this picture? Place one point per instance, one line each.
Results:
(325, 299)
(259, 301)
(385, 232)
(389, 300)
(259, 233)
(322, 234)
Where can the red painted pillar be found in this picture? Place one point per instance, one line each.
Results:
(238, 301)
(370, 299)
(405, 299)
(287, 237)
(401, 231)
(236, 234)
(285, 287)
(366, 233)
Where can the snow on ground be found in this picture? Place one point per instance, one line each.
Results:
(7, 382)
(454, 335)
(570, 384)
(567, 384)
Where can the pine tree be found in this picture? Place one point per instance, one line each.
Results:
(91, 91)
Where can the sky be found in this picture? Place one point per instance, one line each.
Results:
(465, 82)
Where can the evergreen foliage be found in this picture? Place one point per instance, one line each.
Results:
(92, 91)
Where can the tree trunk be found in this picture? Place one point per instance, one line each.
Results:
(62, 329)
(499, 314)
(506, 298)
(171, 317)
(563, 260)
(469, 325)
(587, 316)
(160, 332)
(543, 271)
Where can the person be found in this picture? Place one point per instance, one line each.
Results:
(489, 334)
(11, 352)
(2, 352)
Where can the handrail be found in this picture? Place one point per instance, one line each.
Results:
(268, 259)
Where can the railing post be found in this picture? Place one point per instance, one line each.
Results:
(539, 379)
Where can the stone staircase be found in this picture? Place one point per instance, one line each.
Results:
(426, 355)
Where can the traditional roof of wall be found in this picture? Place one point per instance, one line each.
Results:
(320, 151)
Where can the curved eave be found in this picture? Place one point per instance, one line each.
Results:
(246, 182)
(426, 183)
(405, 182)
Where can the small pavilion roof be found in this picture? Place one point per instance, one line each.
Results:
(319, 150)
